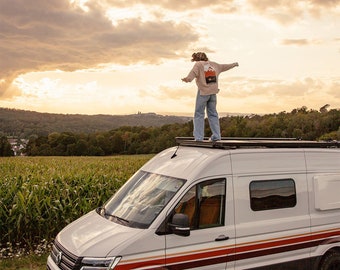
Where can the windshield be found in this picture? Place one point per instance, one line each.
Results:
(141, 199)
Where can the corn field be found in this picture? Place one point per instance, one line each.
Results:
(40, 195)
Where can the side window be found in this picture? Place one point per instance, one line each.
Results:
(204, 203)
(272, 194)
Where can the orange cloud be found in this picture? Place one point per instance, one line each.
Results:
(56, 34)
(180, 5)
(299, 42)
(287, 11)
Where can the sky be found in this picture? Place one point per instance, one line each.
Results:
(123, 57)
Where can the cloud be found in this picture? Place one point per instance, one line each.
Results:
(224, 6)
(168, 92)
(287, 11)
(58, 34)
(324, 3)
(334, 89)
(185, 92)
(241, 94)
(273, 88)
(180, 5)
(299, 42)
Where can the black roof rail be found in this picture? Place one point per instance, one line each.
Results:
(246, 142)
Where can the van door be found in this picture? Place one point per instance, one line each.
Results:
(210, 244)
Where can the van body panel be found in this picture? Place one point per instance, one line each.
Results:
(93, 235)
(322, 161)
(180, 167)
(190, 163)
(146, 251)
(200, 250)
(265, 161)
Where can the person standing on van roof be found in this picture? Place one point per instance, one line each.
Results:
(206, 74)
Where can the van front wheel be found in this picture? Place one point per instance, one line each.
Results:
(331, 261)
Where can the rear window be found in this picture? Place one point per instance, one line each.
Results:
(272, 194)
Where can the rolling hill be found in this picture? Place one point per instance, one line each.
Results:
(21, 123)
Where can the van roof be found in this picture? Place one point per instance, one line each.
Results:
(243, 142)
(193, 160)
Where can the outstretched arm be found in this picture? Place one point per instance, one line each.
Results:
(226, 67)
(192, 74)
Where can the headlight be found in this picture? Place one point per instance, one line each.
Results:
(99, 263)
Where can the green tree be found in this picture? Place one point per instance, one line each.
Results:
(117, 143)
(5, 147)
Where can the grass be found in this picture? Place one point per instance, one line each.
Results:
(28, 262)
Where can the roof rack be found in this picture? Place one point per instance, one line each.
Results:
(246, 142)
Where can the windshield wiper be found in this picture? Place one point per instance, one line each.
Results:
(102, 211)
(116, 218)
(121, 220)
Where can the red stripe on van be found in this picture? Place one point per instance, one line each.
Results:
(242, 251)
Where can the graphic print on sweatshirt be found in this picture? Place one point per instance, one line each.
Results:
(209, 73)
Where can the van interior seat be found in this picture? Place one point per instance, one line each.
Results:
(210, 210)
(188, 208)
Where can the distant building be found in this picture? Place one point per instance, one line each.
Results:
(18, 145)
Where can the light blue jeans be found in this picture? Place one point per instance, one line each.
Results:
(208, 102)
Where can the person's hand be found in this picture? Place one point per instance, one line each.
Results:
(184, 80)
(236, 64)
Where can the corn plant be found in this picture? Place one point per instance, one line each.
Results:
(40, 195)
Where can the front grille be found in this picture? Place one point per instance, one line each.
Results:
(65, 259)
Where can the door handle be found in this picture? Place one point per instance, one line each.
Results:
(222, 238)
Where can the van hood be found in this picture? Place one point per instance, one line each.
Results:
(95, 236)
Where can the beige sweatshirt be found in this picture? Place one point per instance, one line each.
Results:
(206, 74)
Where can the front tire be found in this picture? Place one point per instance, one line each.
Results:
(330, 261)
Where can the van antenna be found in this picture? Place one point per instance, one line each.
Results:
(175, 154)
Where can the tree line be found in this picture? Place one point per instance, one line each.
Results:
(124, 140)
(300, 123)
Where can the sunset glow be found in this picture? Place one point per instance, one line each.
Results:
(124, 57)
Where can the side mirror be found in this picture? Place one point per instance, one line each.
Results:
(180, 224)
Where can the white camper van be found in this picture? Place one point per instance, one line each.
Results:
(232, 204)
